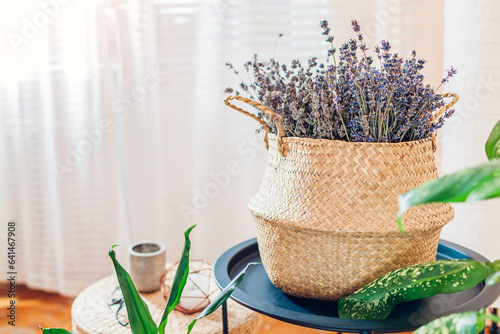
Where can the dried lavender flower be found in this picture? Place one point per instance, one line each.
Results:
(351, 100)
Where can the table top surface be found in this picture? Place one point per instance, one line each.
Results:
(259, 294)
(93, 312)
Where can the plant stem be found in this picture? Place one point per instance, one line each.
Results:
(343, 124)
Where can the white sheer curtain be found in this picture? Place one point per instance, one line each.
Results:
(113, 128)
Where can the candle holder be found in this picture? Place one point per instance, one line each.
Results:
(147, 264)
(196, 294)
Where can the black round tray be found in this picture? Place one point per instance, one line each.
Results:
(258, 293)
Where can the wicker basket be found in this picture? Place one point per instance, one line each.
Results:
(326, 212)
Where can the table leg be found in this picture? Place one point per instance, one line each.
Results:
(225, 327)
(494, 325)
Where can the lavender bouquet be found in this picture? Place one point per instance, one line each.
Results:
(353, 97)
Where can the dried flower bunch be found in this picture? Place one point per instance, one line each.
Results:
(350, 99)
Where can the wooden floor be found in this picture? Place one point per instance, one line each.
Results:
(36, 308)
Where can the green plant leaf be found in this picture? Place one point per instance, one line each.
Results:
(179, 281)
(496, 265)
(472, 184)
(489, 189)
(377, 299)
(492, 146)
(55, 331)
(138, 312)
(458, 323)
(222, 297)
(492, 317)
(495, 278)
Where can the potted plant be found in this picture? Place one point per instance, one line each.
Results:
(345, 139)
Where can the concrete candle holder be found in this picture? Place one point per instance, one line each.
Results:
(147, 265)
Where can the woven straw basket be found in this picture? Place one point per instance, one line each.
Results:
(326, 211)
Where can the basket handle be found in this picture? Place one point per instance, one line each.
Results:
(447, 106)
(268, 112)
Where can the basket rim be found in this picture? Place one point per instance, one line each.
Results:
(318, 141)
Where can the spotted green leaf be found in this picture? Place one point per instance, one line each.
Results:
(179, 282)
(458, 323)
(55, 331)
(377, 299)
(222, 297)
(473, 184)
(138, 312)
(495, 278)
(492, 146)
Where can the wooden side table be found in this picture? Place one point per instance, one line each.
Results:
(93, 312)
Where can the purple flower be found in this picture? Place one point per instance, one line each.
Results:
(355, 26)
(385, 46)
(351, 99)
(450, 73)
